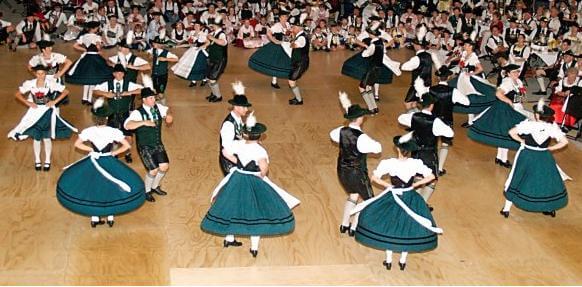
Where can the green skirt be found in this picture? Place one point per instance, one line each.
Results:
(385, 225)
(492, 127)
(535, 183)
(356, 67)
(91, 69)
(42, 128)
(271, 60)
(247, 205)
(478, 103)
(84, 190)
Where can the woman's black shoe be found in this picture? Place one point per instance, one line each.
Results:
(351, 232)
(149, 197)
(38, 166)
(95, 223)
(504, 213)
(275, 86)
(159, 191)
(192, 84)
(402, 266)
(46, 166)
(110, 223)
(343, 229)
(387, 265)
(550, 213)
(231, 243)
(254, 252)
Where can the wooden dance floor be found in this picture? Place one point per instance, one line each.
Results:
(161, 243)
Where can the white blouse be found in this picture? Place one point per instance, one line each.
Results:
(540, 131)
(55, 59)
(50, 85)
(403, 169)
(101, 136)
(248, 152)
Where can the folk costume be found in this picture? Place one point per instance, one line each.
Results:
(55, 62)
(42, 121)
(560, 100)
(217, 59)
(193, 64)
(411, 227)
(91, 68)
(150, 148)
(274, 59)
(536, 183)
(99, 184)
(126, 58)
(445, 99)
(160, 59)
(421, 67)
(246, 202)
(299, 61)
(427, 129)
(232, 126)
(352, 169)
(491, 127)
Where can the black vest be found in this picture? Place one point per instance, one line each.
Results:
(443, 107)
(216, 52)
(529, 140)
(122, 104)
(399, 183)
(378, 57)
(29, 32)
(511, 38)
(179, 36)
(301, 54)
(424, 69)
(542, 38)
(130, 74)
(237, 131)
(149, 136)
(422, 126)
(467, 26)
(349, 156)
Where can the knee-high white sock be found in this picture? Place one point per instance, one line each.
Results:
(36, 149)
(376, 90)
(388, 256)
(355, 219)
(443, 153)
(507, 205)
(95, 218)
(297, 93)
(255, 242)
(274, 80)
(403, 256)
(372, 100)
(229, 238)
(158, 179)
(541, 83)
(149, 181)
(470, 118)
(347, 209)
(48, 150)
(367, 100)
(502, 154)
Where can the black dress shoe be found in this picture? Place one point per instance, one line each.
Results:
(158, 191)
(192, 84)
(46, 166)
(254, 252)
(215, 99)
(387, 265)
(343, 229)
(442, 172)
(275, 86)
(375, 111)
(506, 164)
(149, 197)
(38, 166)
(541, 93)
(351, 232)
(209, 96)
(95, 223)
(550, 213)
(231, 243)
(295, 102)
(128, 158)
(402, 266)
(376, 98)
(110, 223)
(465, 125)
(430, 208)
(504, 213)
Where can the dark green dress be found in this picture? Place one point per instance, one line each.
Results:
(478, 103)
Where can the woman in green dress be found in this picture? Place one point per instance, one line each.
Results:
(535, 182)
(398, 220)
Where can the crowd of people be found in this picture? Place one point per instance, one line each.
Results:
(450, 39)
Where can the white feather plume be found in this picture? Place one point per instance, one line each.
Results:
(375, 25)
(420, 88)
(421, 33)
(540, 106)
(251, 120)
(147, 81)
(405, 138)
(345, 101)
(99, 102)
(238, 88)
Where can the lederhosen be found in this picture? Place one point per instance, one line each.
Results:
(499, 43)
(53, 20)
(299, 59)
(149, 141)
(392, 21)
(352, 168)
(160, 71)
(511, 38)
(120, 107)
(28, 32)
(424, 71)
(225, 164)
(375, 63)
(112, 11)
(263, 8)
(443, 107)
(217, 59)
(422, 125)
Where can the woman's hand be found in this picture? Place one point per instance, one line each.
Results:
(32, 105)
(51, 104)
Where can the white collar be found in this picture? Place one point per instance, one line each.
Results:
(443, 83)
(236, 117)
(353, 126)
(420, 51)
(425, 111)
